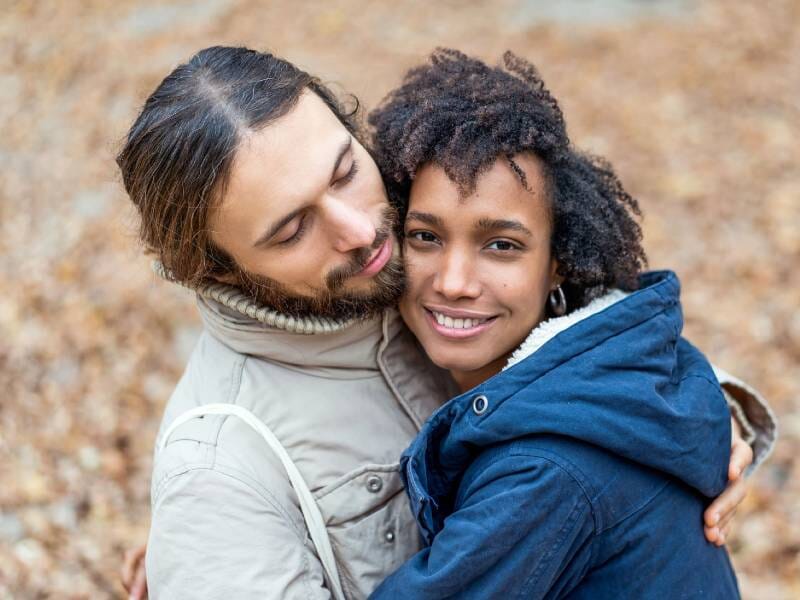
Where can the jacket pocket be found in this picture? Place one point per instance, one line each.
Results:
(370, 526)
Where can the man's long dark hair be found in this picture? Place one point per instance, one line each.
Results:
(178, 154)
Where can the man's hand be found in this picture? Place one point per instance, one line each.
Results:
(719, 514)
(132, 573)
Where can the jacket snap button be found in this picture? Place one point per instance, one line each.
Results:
(480, 404)
(389, 536)
(374, 484)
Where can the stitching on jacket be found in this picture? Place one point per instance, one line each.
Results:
(306, 576)
(236, 378)
(551, 459)
(570, 523)
(247, 481)
(350, 477)
(598, 528)
(416, 419)
(639, 508)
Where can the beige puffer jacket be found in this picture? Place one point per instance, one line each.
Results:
(344, 399)
(343, 402)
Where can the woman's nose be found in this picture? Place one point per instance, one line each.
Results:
(351, 227)
(455, 278)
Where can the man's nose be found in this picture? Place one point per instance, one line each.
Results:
(351, 227)
(455, 277)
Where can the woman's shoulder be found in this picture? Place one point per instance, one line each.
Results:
(613, 487)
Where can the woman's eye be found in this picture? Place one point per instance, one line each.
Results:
(503, 245)
(422, 236)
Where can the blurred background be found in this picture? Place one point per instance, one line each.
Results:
(694, 102)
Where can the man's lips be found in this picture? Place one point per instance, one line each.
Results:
(378, 260)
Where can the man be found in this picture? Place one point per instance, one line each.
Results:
(254, 189)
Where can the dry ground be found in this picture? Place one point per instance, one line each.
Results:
(696, 106)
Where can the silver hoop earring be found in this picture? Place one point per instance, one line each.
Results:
(558, 302)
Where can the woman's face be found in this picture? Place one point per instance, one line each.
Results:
(479, 268)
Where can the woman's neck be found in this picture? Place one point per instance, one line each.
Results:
(466, 380)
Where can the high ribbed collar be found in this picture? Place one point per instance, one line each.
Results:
(250, 328)
(235, 299)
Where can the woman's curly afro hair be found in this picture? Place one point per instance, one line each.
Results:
(462, 115)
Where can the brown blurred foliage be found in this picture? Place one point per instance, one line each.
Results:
(696, 104)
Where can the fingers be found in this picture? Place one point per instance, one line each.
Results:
(725, 523)
(720, 534)
(713, 535)
(719, 514)
(127, 569)
(736, 429)
(138, 590)
(130, 563)
(741, 458)
(726, 502)
(726, 531)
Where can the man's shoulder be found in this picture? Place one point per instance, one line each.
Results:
(214, 444)
(221, 451)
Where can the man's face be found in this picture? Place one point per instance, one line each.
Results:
(306, 218)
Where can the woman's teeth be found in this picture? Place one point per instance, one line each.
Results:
(451, 323)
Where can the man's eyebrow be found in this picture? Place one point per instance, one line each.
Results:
(426, 218)
(343, 150)
(507, 224)
(276, 227)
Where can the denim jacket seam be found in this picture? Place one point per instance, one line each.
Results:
(553, 461)
(570, 523)
(645, 503)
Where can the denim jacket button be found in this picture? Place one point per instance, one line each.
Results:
(374, 484)
(480, 404)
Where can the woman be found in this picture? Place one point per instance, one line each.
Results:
(587, 426)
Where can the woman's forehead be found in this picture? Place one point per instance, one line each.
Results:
(497, 189)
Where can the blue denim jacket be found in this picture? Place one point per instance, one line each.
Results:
(581, 471)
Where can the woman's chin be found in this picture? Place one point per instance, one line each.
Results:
(463, 364)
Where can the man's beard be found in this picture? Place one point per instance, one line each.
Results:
(331, 302)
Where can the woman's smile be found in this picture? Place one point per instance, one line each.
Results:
(458, 324)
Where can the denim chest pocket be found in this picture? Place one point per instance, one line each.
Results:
(370, 525)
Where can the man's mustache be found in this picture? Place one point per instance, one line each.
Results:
(361, 256)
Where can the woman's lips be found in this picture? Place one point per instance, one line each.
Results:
(458, 333)
(382, 256)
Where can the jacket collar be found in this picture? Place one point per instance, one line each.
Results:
(549, 329)
(237, 301)
(254, 329)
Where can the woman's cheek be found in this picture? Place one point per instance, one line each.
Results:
(416, 267)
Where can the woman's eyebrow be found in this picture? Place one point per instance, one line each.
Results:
(426, 218)
(486, 225)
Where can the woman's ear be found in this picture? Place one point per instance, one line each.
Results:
(555, 279)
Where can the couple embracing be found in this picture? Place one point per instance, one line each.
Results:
(431, 364)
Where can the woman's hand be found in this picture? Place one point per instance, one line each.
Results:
(132, 573)
(719, 514)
